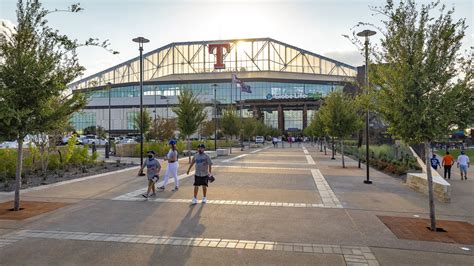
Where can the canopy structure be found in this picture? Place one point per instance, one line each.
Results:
(239, 55)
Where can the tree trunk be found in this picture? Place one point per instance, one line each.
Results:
(188, 148)
(230, 144)
(430, 185)
(325, 144)
(333, 149)
(19, 165)
(342, 153)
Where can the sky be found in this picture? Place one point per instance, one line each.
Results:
(313, 25)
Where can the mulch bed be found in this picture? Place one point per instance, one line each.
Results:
(417, 229)
(28, 209)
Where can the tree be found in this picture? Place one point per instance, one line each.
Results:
(317, 128)
(147, 120)
(248, 127)
(425, 85)
(95, 130)
(162, 129)
(230, 123)
(208, 128)
(37, 64)
(190, 114)
(339, 117)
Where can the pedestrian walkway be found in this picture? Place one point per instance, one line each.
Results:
(286, 206)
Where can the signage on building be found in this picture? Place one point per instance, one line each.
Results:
(219, 53)
(315, 96)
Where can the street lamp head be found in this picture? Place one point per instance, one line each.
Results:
(140, 40)
(366, 33)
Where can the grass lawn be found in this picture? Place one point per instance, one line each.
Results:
(455, 154)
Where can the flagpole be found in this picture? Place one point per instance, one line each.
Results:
(241, 106)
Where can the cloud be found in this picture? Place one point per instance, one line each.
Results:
(353, 58)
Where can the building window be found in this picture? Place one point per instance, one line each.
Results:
(82, 120)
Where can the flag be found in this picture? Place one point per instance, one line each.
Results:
(243, 87)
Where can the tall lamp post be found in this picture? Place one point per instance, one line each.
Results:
(215, 116)
(367, 34)
(141, 41)
(108, 144)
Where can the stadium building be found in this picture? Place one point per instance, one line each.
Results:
(286, 83)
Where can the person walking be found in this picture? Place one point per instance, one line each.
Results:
(172, 169)
(447, 162)
(274, 142)
(435, 162)
(463, 164)
(153, 168)
(203, 172)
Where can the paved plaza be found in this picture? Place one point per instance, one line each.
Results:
(291, 206)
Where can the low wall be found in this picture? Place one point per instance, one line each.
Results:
(223, 152)
(441, 188)
(419, 182)
(211, 154)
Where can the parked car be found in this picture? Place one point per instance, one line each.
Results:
(127, 141)
(14, 144)
(259, 139)
(66, 139)
(93, 139)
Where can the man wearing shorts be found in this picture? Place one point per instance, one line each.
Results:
(463, 164)
(203, 171)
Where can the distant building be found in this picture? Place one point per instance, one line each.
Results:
(286, 83)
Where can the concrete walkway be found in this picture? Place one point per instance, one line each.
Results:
(291, 206)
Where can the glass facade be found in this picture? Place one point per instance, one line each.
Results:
(243, 56)
(226, 92)
(82, 120)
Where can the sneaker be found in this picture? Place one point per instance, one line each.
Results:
(145, 196)
(152, 194)
(161, 188)
(204, 199)
(175, 189)
(194, 201)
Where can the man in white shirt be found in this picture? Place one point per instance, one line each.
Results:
(463, 164)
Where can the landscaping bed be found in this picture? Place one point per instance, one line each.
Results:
(387, 158)
(35, 178)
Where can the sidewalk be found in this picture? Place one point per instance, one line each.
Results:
(291, 206)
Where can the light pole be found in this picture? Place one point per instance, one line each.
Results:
(141, 41)
(107, 145)
(215, 116)
(367, 34)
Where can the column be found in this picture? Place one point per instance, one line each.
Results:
(281, 119)
(305, 116)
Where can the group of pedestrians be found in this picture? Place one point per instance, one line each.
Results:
(203, 173)
(448, 161)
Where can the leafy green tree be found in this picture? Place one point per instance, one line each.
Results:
(230, 123)
(317, 129)
(190, 113)
(162, 129)
(339, 117)
(260, 128)
(248, 127)
(208, 128)
(147, 121)
(37, 64)
(425, 84)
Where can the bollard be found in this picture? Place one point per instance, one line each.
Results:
(107, 150)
